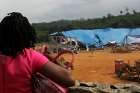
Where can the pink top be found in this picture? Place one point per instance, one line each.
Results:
(15, 73)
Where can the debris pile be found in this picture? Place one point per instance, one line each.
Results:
(91, 87)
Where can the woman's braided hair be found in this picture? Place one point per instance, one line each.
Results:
(16, 34)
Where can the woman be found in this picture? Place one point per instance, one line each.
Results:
(18, 61)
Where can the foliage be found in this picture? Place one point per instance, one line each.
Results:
(126, 20)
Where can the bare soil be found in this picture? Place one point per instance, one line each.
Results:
(99, 66)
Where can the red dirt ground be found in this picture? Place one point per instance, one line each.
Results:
(98, 66)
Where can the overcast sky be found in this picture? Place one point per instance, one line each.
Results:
(51, 10)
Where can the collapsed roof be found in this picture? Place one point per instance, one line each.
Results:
(99, 37)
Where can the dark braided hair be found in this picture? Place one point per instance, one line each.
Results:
(16, 34)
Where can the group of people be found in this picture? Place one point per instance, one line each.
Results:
(18, 59)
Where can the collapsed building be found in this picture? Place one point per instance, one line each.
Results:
(97, 38)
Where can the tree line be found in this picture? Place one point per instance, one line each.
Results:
(125, 19)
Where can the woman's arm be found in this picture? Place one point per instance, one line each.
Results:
(57, 74)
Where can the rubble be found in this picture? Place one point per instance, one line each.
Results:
(91, 87)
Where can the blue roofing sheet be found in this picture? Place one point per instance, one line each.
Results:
(90, 37)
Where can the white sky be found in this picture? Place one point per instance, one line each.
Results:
(51, 10)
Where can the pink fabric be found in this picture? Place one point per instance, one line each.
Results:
(15, 73)
(64, 90)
